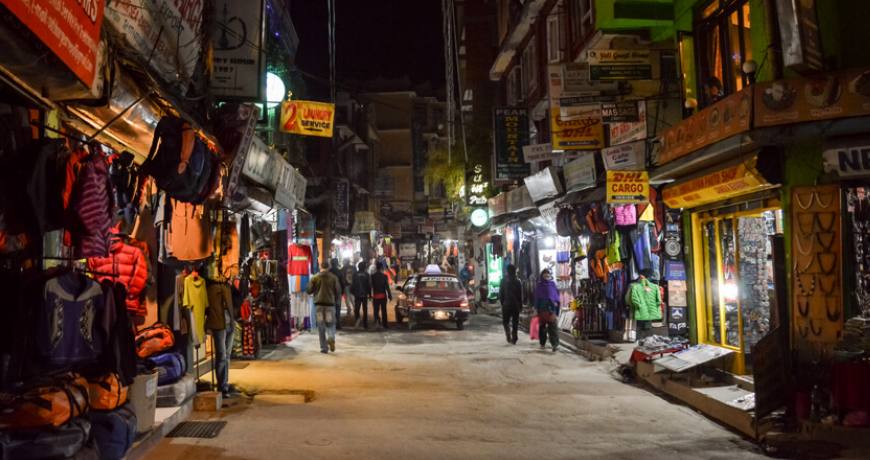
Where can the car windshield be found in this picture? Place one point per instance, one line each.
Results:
(440, 283)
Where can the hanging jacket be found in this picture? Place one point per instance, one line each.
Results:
(92, 206)
(625, 215)
(130, 267)
(645, 300)
(119, 356)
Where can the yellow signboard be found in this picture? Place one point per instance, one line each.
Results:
(626, 187)
(308, 118)
(720, 185)
(578, 128)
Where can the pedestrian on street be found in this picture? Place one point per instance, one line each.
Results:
(362, 291)
(335, 270)
(510, 295)
(347, 272)
(547, 306)
(380, 294)
(326, 289)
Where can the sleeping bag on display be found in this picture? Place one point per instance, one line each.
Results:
(113, 432)
(170, 367)
(61, 442)
(175, 394)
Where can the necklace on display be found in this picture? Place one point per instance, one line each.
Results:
(797, 197)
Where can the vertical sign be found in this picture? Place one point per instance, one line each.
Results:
(476, 185)
(511, 135)
(342, 204)
(239, 67)
(799, 29)
(69, 28)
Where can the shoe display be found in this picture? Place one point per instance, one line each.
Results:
(331, 344)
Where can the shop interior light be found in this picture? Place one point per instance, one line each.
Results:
(275, 90)
(479, 217)
(549, 242)
(729, 290)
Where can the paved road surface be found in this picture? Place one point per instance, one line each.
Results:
(447, 394)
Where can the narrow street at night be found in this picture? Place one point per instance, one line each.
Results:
(448, 394)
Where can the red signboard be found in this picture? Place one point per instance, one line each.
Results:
(70, 28)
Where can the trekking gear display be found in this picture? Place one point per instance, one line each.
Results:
(180, 162)
(170, 367)
(106, 392)
(113, 432)
(67, 332)
(51, 402)
(61, 442)
(175, 394)
(152, 340)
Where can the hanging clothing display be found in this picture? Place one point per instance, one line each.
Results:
(188, 236)
(299, 259)
(196, 300)
(127, 265)
(92, 204)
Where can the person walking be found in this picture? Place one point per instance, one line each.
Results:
(326, 289)
(336, 270)
(510, 295)
(547, 306)
(380, 295)
(361, 289)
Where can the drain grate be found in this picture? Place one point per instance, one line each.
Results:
(197, 430)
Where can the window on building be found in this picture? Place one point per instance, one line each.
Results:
(555, 36)
(582, 20)
(530, 67)
(512, 87)
(724, 44)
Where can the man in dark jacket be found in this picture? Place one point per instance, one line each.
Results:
(510, 295)
(335, 269)
(362, 291)
(380, 295)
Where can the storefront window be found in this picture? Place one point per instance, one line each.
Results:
(738, 269)
(724, 44)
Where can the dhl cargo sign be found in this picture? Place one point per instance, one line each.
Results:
(625, 187)
(308, 118)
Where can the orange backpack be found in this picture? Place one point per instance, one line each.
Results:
(153, 340)
(106, 392)
(52, 403)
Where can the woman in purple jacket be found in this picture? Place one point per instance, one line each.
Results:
(547, 305)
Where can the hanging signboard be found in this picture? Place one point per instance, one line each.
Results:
(799, 29)
(245, 120)
(69, 28)
(258, 164)
(300, 186)
(625, 157)
(720, 185)
(174, 26)
(544, 184)
(848, 158)
(364, 222)
(511, 135)
(621, 133)
(622, 64)
(822, 97)
(476, 185)
(577, 128)
(497, 204)
(283, 179)
(617, 112)
(307, 118)
(538, 152)
(342, 204)
(727, 117)
(237, 35)
(625, 187)
(580, 173)
(519, 200)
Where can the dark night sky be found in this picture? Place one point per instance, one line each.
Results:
(374, 38)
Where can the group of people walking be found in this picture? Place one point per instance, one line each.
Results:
(546, 303)
(357, 287)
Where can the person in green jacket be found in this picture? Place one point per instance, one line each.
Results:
(326, 289)
(646, 300)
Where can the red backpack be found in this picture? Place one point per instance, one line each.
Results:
(152, 340)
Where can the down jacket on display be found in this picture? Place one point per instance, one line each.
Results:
(130, 267)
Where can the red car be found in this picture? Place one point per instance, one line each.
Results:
(432, 298)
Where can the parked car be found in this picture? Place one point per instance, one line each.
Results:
(432, 298)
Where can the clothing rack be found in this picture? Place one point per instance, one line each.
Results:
(76, 259)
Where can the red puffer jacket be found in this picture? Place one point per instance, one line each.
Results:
(130, 267)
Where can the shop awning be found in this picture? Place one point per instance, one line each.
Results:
(747, 175)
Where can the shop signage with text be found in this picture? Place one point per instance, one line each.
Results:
(849, 161)
(477, 186)
(621, 64)
(69, 28)
(721, 185)
(621, 133)
(538, 152)
(580, 173)
(511, 135)
(577, 128)
(617, 112)
(799, 32)
(822, 97)
(308, 118)
(625, 157)
(625, 187)
(729, 116)
(364, 222)
(239, 62)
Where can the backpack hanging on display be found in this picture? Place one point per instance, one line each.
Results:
(51, 402)
(170, 367)
(563, 222)
(179, 161)
(106, 392)
(61, 442)
(152, 340)
(596, 218)
(114, 432)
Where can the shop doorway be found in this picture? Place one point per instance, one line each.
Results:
(736, 292)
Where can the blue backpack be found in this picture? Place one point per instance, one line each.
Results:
(170, 367)
(114, 432)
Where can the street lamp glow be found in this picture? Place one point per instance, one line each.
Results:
(479, 217)
(275, 90)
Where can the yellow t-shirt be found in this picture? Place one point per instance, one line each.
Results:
(196, 299)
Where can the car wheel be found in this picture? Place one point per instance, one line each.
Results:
(460, 325)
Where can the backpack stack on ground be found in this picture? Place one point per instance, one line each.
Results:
(174, 386)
